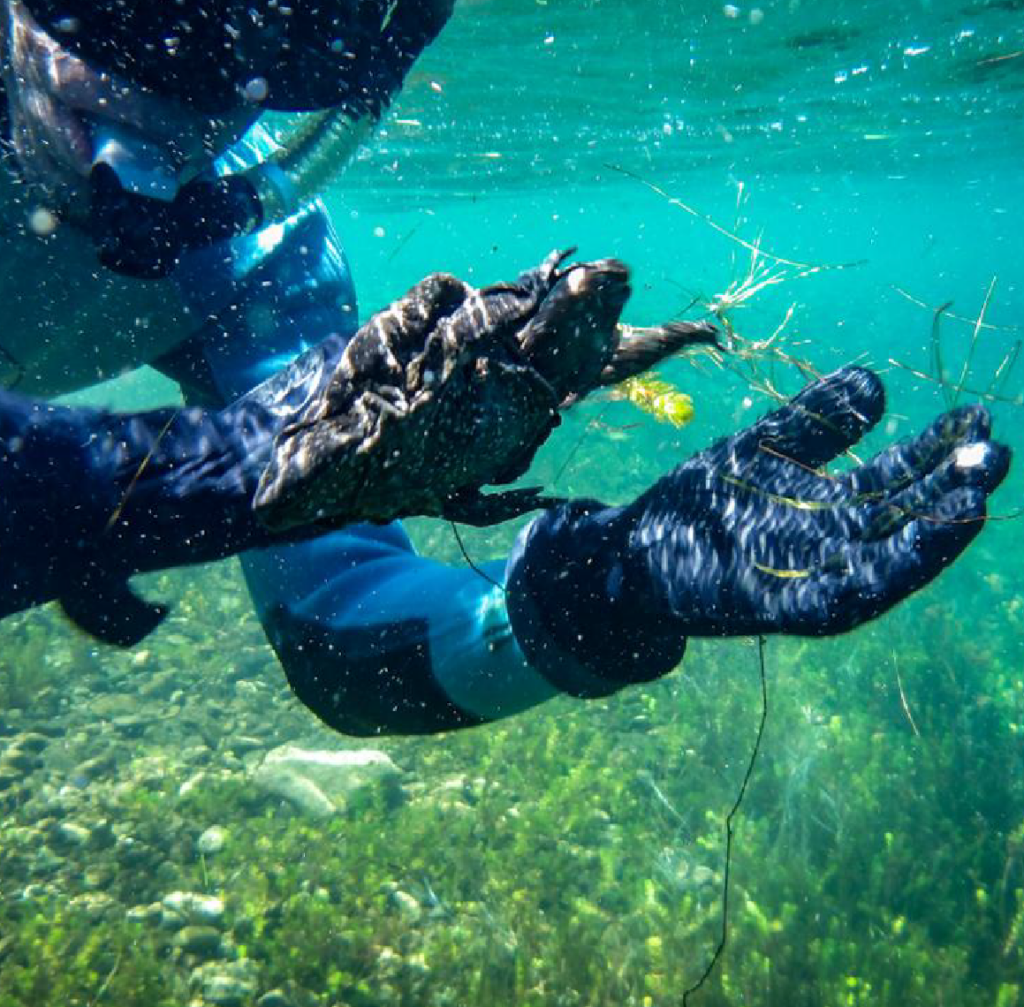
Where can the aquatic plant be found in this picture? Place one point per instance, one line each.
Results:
(660, 399)
(33, 657)
(572, 855)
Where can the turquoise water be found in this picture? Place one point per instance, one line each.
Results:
(574, 856)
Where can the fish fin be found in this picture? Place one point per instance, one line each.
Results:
(112, 612)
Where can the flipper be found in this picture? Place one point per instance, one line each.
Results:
(643, 348)
(112, 612)
(484, 509)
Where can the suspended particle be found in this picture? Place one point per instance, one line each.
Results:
(256, 90)
(42, 222)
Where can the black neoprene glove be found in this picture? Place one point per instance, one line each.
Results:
(146, 238)
(88, 499)
(751, 536)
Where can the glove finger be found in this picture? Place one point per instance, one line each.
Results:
(906, 462)
(866, 579)
(981, 466)
(951, 453)
(823, 421)
(796, 524)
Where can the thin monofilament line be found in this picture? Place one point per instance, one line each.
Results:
(724, 936)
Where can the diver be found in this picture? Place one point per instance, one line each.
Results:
(148, 218)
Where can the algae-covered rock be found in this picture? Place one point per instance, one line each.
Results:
(196, 939)
(213, 840)
(226, 984)
(320, 783)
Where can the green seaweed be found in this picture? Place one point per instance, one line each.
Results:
(572, 855)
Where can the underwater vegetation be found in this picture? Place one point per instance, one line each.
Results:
(570, 856)
(658, 398)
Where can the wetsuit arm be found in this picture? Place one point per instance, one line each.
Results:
(373, 637)
(749, 536)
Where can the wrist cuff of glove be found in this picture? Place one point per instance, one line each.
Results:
(574, 612)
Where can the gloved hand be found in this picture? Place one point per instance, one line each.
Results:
(63, 113)
(750, 537)
(432, 398)
(144, 237)
(88, 498)
(447, 390)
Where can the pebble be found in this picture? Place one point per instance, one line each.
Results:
(71, 834)
(20, 760)
(149, 915)
(99, 876)
(132, 725)
(95, 905)
(243, 743)
(213, 840)
(186, 906)
(226, 991)
(273, 998)
(225, 984)
(198, 940)
(407, 905)
(30, 741)
(8, 777)
(45, 860)
(92, 768)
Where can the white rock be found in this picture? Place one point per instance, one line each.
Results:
(407, 905)
(191, 906)
(304, 794)
(213, 840)
(321, 782)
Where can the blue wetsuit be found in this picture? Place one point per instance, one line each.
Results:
(374, 637)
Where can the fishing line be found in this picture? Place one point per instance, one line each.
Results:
(465, 555)
(584, 433)
(724, 935)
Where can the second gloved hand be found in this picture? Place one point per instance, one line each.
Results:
(88, 499)
(751, 536)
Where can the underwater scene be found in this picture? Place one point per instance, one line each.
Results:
(801, 822)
